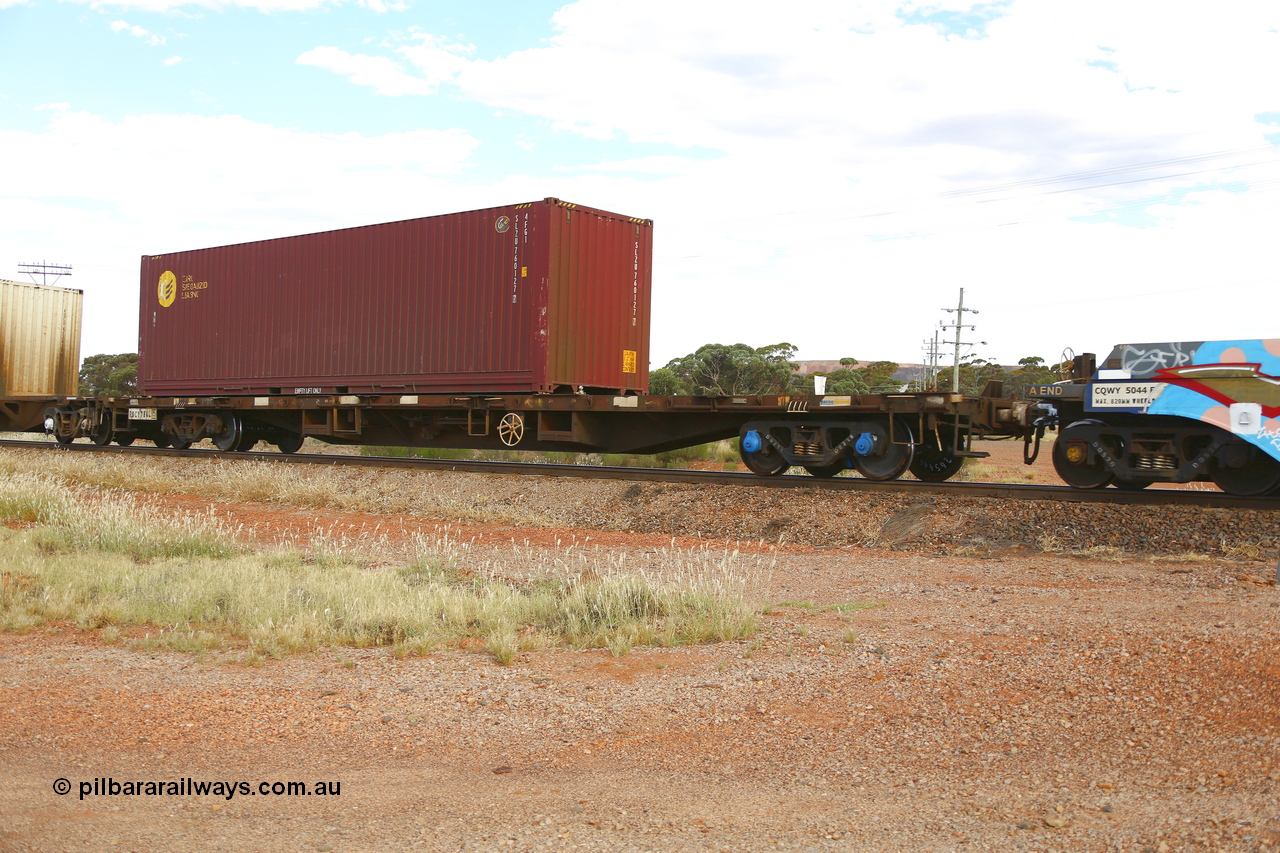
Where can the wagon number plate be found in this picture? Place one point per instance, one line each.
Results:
(142, 414)
(1133, 396)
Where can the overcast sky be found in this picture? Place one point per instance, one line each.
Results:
(829, 174)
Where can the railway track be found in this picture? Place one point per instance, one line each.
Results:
(1013, 491)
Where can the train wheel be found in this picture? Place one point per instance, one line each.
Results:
(1070, 457)
(179, 443)
(1244, 469)
(895, 459)
(232, 432)
(933, 464)
(826, 471)
(102, 434)
(1132, 485)
(246, 443)
(511, 428)
(760, 456)
(161, 440)
(290, 444)
(64, 440)
(125, 440)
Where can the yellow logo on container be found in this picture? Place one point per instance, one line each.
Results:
(628, 361)
(502, 224)
(168, 289)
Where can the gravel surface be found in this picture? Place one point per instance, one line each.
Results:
(954, 689)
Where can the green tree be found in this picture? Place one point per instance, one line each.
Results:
(974, 375)
(729, 370)
(665, 382)
(1031, 371)
(878, 375)
(106, 375)
(842, 380)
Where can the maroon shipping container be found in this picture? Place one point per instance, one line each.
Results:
(540, 297)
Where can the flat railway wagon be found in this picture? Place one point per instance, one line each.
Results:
(1172, 412)
(522, 327)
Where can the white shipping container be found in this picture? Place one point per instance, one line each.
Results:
(39, 340)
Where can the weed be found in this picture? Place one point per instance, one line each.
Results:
(1050, 544)
(502, 644)
(1186, 557)
(1248, 551)
(974, 471)
(621, 643)
(1103, 553)
(853, 606)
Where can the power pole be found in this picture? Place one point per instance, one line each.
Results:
(44, 270)
(959, 325)
(929, 372)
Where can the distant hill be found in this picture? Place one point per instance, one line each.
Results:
(905, 373)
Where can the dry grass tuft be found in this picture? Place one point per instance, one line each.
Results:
(1104, 554)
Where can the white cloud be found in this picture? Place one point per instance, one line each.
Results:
(98, 193)
(381, 6)
(173, 60)
(831, 174)
(149, 37)
(439, 59)
(385, 76)
(172, 6)
(378, 6)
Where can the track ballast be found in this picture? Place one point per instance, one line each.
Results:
(1013, 491)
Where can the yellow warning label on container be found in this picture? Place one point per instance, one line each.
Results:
(628, 361)
(167, 290)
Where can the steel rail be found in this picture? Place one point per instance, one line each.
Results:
(1017, 491)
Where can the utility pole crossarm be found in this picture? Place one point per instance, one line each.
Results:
(44, 269)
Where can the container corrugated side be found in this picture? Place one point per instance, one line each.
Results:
(466, 302)
(599, 279)
(39, 340)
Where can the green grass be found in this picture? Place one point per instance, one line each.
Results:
(853, 606)
(104, 560)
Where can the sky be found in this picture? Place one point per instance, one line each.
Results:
(831, 175)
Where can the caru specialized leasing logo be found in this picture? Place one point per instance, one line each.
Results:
(167, 289)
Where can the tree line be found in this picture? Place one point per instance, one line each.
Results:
(732, 370)
(724, 370)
